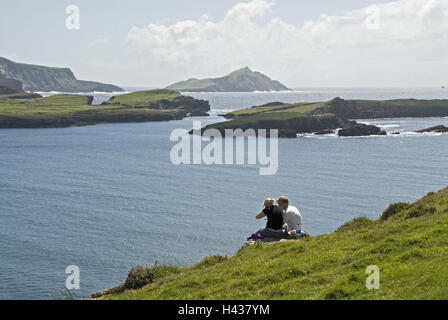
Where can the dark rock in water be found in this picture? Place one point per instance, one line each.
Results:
(286, 128)
(326, 131)
(360, 129)
(436, 129)
(396, 133)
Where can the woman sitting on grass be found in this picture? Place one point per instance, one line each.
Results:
(274, 226)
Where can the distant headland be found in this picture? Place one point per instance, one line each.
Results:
(334, 116)
(27, 77)
(30, 110)
(242, 80)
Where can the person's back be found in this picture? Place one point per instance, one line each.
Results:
(275, 217)
(292, 218)
(291, 215)
(274, 214)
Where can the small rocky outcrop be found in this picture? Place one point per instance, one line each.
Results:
(325, 131)
(361, 129)
(286, 128)
(436, 129)
(190, 105)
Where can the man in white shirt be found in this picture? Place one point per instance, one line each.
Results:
(291, 215)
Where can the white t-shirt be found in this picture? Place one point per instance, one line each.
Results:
(292, 218)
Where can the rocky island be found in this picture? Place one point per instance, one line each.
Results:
(28, 110)
(436, 129)
(243, 80)
(329, 117)
(28, 77)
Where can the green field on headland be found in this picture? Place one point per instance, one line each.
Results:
(408, 243)
(297, 118)
(23, 110)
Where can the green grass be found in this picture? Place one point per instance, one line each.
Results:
(60, 100)
(402, 102)
(255, 119)
(410, 249)
(296, 107)
(143, 98)
(68, 110)
(340, 108)
(252, 117)
(193, 84)
(43, 107)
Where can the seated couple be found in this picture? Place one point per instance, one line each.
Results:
(284, 221)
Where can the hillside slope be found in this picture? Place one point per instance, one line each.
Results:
(32, 111)
(243, 80)
(409, 244)
(42, 78)
(162, 99)
(313, 117)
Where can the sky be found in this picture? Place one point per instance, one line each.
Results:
(301, 43)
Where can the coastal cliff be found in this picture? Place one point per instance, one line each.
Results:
(8, 86)
(42, 78)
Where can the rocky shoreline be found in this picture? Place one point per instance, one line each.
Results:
(332, 117)
(22, 110)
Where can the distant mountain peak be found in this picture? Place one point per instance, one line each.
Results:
(245, 69)
(241, 80)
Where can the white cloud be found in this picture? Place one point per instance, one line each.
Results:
(366, 38)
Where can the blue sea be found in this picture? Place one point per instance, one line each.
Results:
(107, 197)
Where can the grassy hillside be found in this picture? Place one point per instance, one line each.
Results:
(302, 108)
(353, 108)
(143, 98)
(194, 85)
(28, 111)
(243, 80)
(297, 118)
(409, 243)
